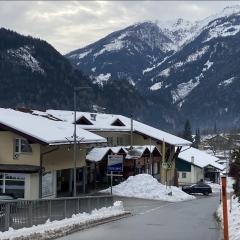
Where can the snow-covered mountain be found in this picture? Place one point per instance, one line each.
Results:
(179, 61)
(34, 75)
(123, 54)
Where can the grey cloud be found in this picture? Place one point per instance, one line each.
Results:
(68, 25)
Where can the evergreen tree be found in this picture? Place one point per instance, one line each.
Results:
(187, 134)
(197, 139)
(235, 171)
(215, 130)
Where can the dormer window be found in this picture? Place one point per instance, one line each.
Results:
(83, 121)
(22, 146)
(118, 123)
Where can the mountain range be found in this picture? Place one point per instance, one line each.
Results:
(161, 72)
(192, 66)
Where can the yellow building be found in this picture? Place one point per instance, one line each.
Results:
(36, 155)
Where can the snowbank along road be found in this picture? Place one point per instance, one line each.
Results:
(158, 220)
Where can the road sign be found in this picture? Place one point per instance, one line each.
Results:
(167, 165)
(115, 163)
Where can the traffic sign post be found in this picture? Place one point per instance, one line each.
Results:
(115, 164)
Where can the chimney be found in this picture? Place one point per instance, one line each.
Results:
(93, 116)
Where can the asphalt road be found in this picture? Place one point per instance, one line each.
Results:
(155, 220)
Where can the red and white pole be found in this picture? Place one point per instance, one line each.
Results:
(225, 211)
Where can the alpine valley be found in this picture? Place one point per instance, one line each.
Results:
(161, 72)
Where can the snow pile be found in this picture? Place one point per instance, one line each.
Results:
(146, 187)
(217, 187)
(59, 228)
(233, 218)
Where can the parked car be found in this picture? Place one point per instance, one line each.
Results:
(203, 188)
(6, 197)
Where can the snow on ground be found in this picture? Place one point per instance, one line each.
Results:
(198, 54)
(84, 54)
(223, 30)
(226, 82)
(146, 187)
(207, 65)
(24, 57)
(217, 187)
(183, 89)
(156, 86)
(51, 228)
(233, 218)
(115, 45)
(102, 78)
(164, 73)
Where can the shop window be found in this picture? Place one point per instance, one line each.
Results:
(184, 175)
(12, 183)
(22, 146)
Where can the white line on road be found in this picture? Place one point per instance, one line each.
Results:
(153, 209)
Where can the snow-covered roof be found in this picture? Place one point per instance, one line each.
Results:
(43, 129)
(103, 122)
(200, 158)
(98, 153)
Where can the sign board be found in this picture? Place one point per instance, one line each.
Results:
(166, 165)
(115, 163)
(47, 184)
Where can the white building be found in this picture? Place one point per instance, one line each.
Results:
(194, 165)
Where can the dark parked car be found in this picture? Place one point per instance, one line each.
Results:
(203, 188)
(6, 197)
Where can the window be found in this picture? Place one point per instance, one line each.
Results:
(83, 121)
(12, 183)
(22, 146)
(118, 123)
(184, 175)
(110, 141)
(119, 141)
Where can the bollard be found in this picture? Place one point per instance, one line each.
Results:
(225, 211)
(7, 216)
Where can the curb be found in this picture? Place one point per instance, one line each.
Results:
(53, 234)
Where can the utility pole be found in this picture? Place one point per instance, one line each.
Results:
(75, 139)
(131, 147)
(75, 147)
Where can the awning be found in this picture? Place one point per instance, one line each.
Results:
(14, 168)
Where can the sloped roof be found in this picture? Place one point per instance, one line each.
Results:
(201, 159)
(98, 153)
(104, 122)
(44, 129)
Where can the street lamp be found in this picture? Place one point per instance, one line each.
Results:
(75, 140)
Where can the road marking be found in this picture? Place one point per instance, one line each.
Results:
(153, 209)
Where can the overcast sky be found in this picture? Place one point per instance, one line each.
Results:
(69, 25)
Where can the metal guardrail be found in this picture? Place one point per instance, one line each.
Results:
(26, 213)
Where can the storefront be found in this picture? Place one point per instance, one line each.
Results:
(19, 180)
